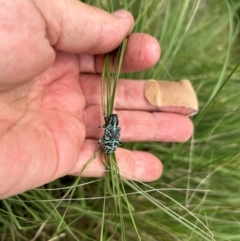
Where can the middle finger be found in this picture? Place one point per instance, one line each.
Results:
(129, 95)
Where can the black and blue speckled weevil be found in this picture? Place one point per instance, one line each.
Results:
(111, 137)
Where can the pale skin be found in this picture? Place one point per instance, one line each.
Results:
(49, 114)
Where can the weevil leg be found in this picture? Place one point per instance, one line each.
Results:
(98, 144)
(103, 126)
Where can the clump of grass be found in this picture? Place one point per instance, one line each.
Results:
(113, 180)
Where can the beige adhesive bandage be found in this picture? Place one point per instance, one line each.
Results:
(171, 94)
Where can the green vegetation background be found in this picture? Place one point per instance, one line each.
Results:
(200, 42)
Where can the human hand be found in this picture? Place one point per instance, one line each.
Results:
(49, 115)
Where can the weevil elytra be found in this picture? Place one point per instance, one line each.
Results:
(111, 137)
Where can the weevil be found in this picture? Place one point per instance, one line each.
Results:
(111, 137)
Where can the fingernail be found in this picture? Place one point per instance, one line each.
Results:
(122, 13)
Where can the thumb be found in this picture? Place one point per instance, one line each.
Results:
(75, 27)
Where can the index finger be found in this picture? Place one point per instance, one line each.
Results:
(142, 52)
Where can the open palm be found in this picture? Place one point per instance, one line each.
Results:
(50, 114)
